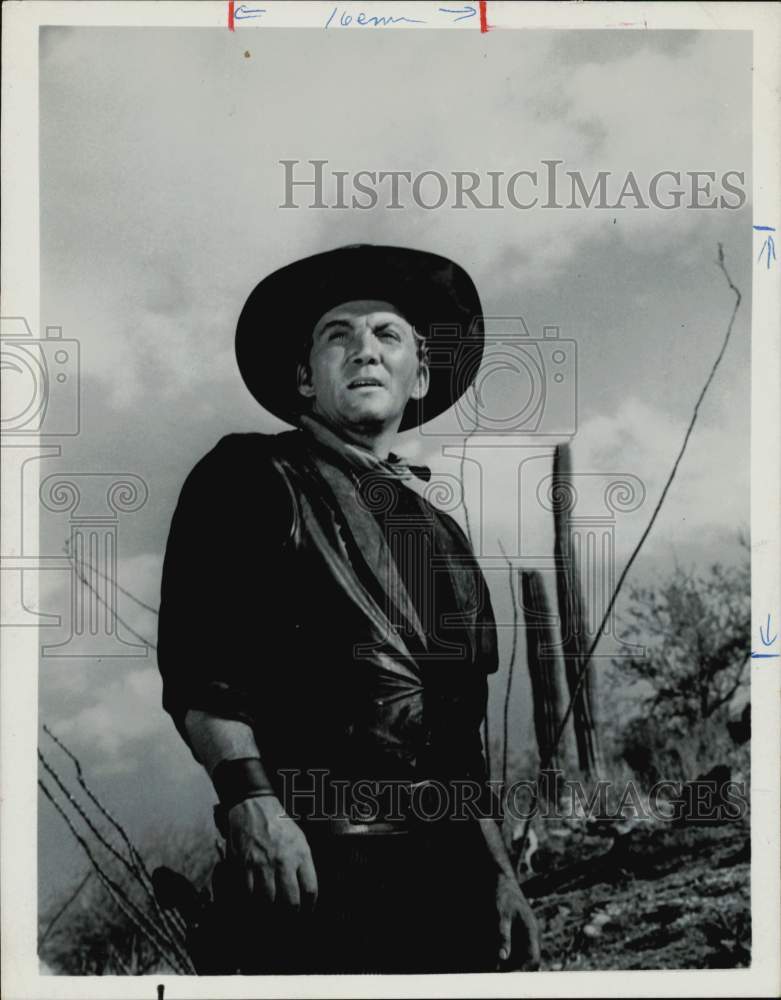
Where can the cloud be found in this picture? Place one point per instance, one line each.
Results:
(160, 186)
(506, 481)
(121, 714)
(709, 497)
(153, 238)
(139, 575)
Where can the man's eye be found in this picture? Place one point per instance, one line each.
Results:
(337, 334)
(388, 334)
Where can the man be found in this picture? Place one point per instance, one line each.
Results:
(325, 638)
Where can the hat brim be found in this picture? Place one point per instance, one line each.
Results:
(435, 295)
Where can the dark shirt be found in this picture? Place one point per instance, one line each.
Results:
(278, 609)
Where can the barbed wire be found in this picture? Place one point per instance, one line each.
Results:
(587, 659)
(137, 865)
(177, 958)
(168, 934)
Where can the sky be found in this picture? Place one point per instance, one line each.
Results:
(160, 185)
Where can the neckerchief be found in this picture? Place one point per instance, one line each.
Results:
(360, 459)
(370, 547)
(344, 466)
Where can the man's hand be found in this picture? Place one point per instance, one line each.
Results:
(519, 936)
(273, 853)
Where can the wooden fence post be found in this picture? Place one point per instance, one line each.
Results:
(546, 673)
(575, 642)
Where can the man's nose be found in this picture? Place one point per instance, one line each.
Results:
(365, 346)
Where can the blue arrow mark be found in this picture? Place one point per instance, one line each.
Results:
(465, 12)
(243, 12)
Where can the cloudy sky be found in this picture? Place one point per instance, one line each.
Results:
(160, 187)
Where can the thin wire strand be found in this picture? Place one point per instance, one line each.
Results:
(105, 604)
(68, 902)
(113, 582)
(165, 931)
(138, 865)
(587, 659)
(511, 667)
(118, 894)
(464, 504)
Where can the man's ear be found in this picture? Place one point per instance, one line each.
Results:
(304, 378)
(422, 382)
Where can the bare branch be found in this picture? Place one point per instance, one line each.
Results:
(113, 582)
(105, 604)
(63, 908)
(654, 514)
(511, 665)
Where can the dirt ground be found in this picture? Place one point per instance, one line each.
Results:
(652, 898)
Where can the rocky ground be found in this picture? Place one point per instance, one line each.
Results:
(608, 897)
(650, 898)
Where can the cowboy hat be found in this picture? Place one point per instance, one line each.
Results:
(433, 293)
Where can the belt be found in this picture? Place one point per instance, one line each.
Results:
(406, 819)
(342, 826)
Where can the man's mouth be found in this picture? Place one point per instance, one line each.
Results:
(361, 383)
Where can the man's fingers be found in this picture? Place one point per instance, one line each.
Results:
(534, 949)
(505, 938)
(526, 943)
(534, 952)
(287, 883)
(266, 883)
(307, 880)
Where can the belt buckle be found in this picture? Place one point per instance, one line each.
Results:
(422, 821)
(347, 826)
(342, 826)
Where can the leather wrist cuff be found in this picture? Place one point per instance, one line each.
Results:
(239, 779)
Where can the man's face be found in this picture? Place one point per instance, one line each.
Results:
(363, 366)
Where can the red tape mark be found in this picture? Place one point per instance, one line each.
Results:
(484, 26)
(231, 11)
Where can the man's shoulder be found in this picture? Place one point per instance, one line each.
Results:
(248, 450)
(242, 462)
(445, 519)
(239, 475)
(243, 443)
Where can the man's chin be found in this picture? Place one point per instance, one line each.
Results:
(365, 416)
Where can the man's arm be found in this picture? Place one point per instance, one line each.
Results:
(214, 740)
(269, 846)
(220, 580)
(207, 687)
(519, 937)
